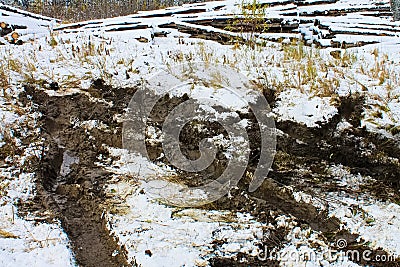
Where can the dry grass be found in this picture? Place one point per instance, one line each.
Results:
(305, 69)
(278, 67)
(29, 67)
(296, 66)
(5, 234)
(4, 76)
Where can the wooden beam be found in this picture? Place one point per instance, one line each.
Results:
(15, 36)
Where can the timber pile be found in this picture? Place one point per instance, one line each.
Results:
(277, 25)
(17, 26)
(325, 23)
(7, 31)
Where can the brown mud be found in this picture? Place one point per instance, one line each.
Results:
(71, 185)
(302, 161)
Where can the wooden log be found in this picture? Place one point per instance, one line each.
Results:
(160, 34)
(5, 31)
(142, 40)
(15, 36)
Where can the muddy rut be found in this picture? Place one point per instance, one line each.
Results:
(71, 185)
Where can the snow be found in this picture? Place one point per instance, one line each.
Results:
(304, 247)
(7, 118)
(36, 25)
(156, 234)
(32, 244)
(299, 107)
(131, 61)
(178, 237)
(134, 164)
(375, 221)
(174, 236)
(24, 242)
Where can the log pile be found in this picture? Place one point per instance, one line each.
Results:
(276, 25)
(8, 32)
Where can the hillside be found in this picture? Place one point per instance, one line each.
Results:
(187, 136)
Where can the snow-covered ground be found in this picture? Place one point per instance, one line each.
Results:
(308, 81)
(23, 241)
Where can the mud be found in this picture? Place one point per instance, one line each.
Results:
(74, 193)
(366, 153)
(71, 185)
(303, 157)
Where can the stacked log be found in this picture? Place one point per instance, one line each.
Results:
(5, 29)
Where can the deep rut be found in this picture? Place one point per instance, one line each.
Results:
(70, 184)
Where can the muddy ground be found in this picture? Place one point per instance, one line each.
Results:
(71, 186)
(75, 193)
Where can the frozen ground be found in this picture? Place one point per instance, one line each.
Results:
(23, 241)
(359, 58)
